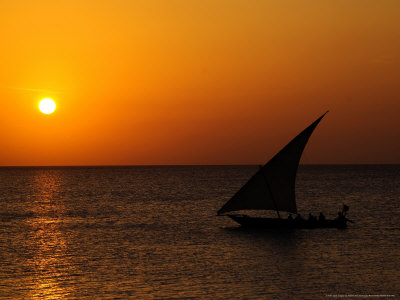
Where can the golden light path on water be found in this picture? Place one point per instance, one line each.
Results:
(49, 262)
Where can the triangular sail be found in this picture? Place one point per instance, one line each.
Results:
(273, 186)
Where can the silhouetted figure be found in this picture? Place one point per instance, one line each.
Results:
(345, 209)
(321, 217)
(311, 218)
(299, 218)
(340, 216)
(290, 218)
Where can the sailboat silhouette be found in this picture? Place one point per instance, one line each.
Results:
(272, 187)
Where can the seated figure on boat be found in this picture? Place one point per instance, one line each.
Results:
(299, 217)
(340, 216)
(321, 217)
(311, 218)
(345, 209)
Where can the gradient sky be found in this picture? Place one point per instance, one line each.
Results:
(198, 82)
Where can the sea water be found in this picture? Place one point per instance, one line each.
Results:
(152, 233)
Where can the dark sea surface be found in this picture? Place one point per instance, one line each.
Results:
(153, 233)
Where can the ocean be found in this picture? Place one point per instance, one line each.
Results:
(151, 232)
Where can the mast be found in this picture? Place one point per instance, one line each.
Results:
(270, 193)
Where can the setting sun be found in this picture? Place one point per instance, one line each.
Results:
(47, 106)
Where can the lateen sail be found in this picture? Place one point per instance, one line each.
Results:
(273, 186)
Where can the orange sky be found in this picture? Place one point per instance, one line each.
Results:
(198, 82)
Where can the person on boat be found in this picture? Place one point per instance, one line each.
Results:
(290, 218)
(299, 217)
(321, 217)
(311, 218)
(340, 216)
(345, 209)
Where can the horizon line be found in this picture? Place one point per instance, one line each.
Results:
(188, 165)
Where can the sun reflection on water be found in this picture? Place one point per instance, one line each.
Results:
(49, 260)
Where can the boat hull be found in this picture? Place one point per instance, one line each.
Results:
(254, 222)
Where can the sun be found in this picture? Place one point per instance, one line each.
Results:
(47, 106)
